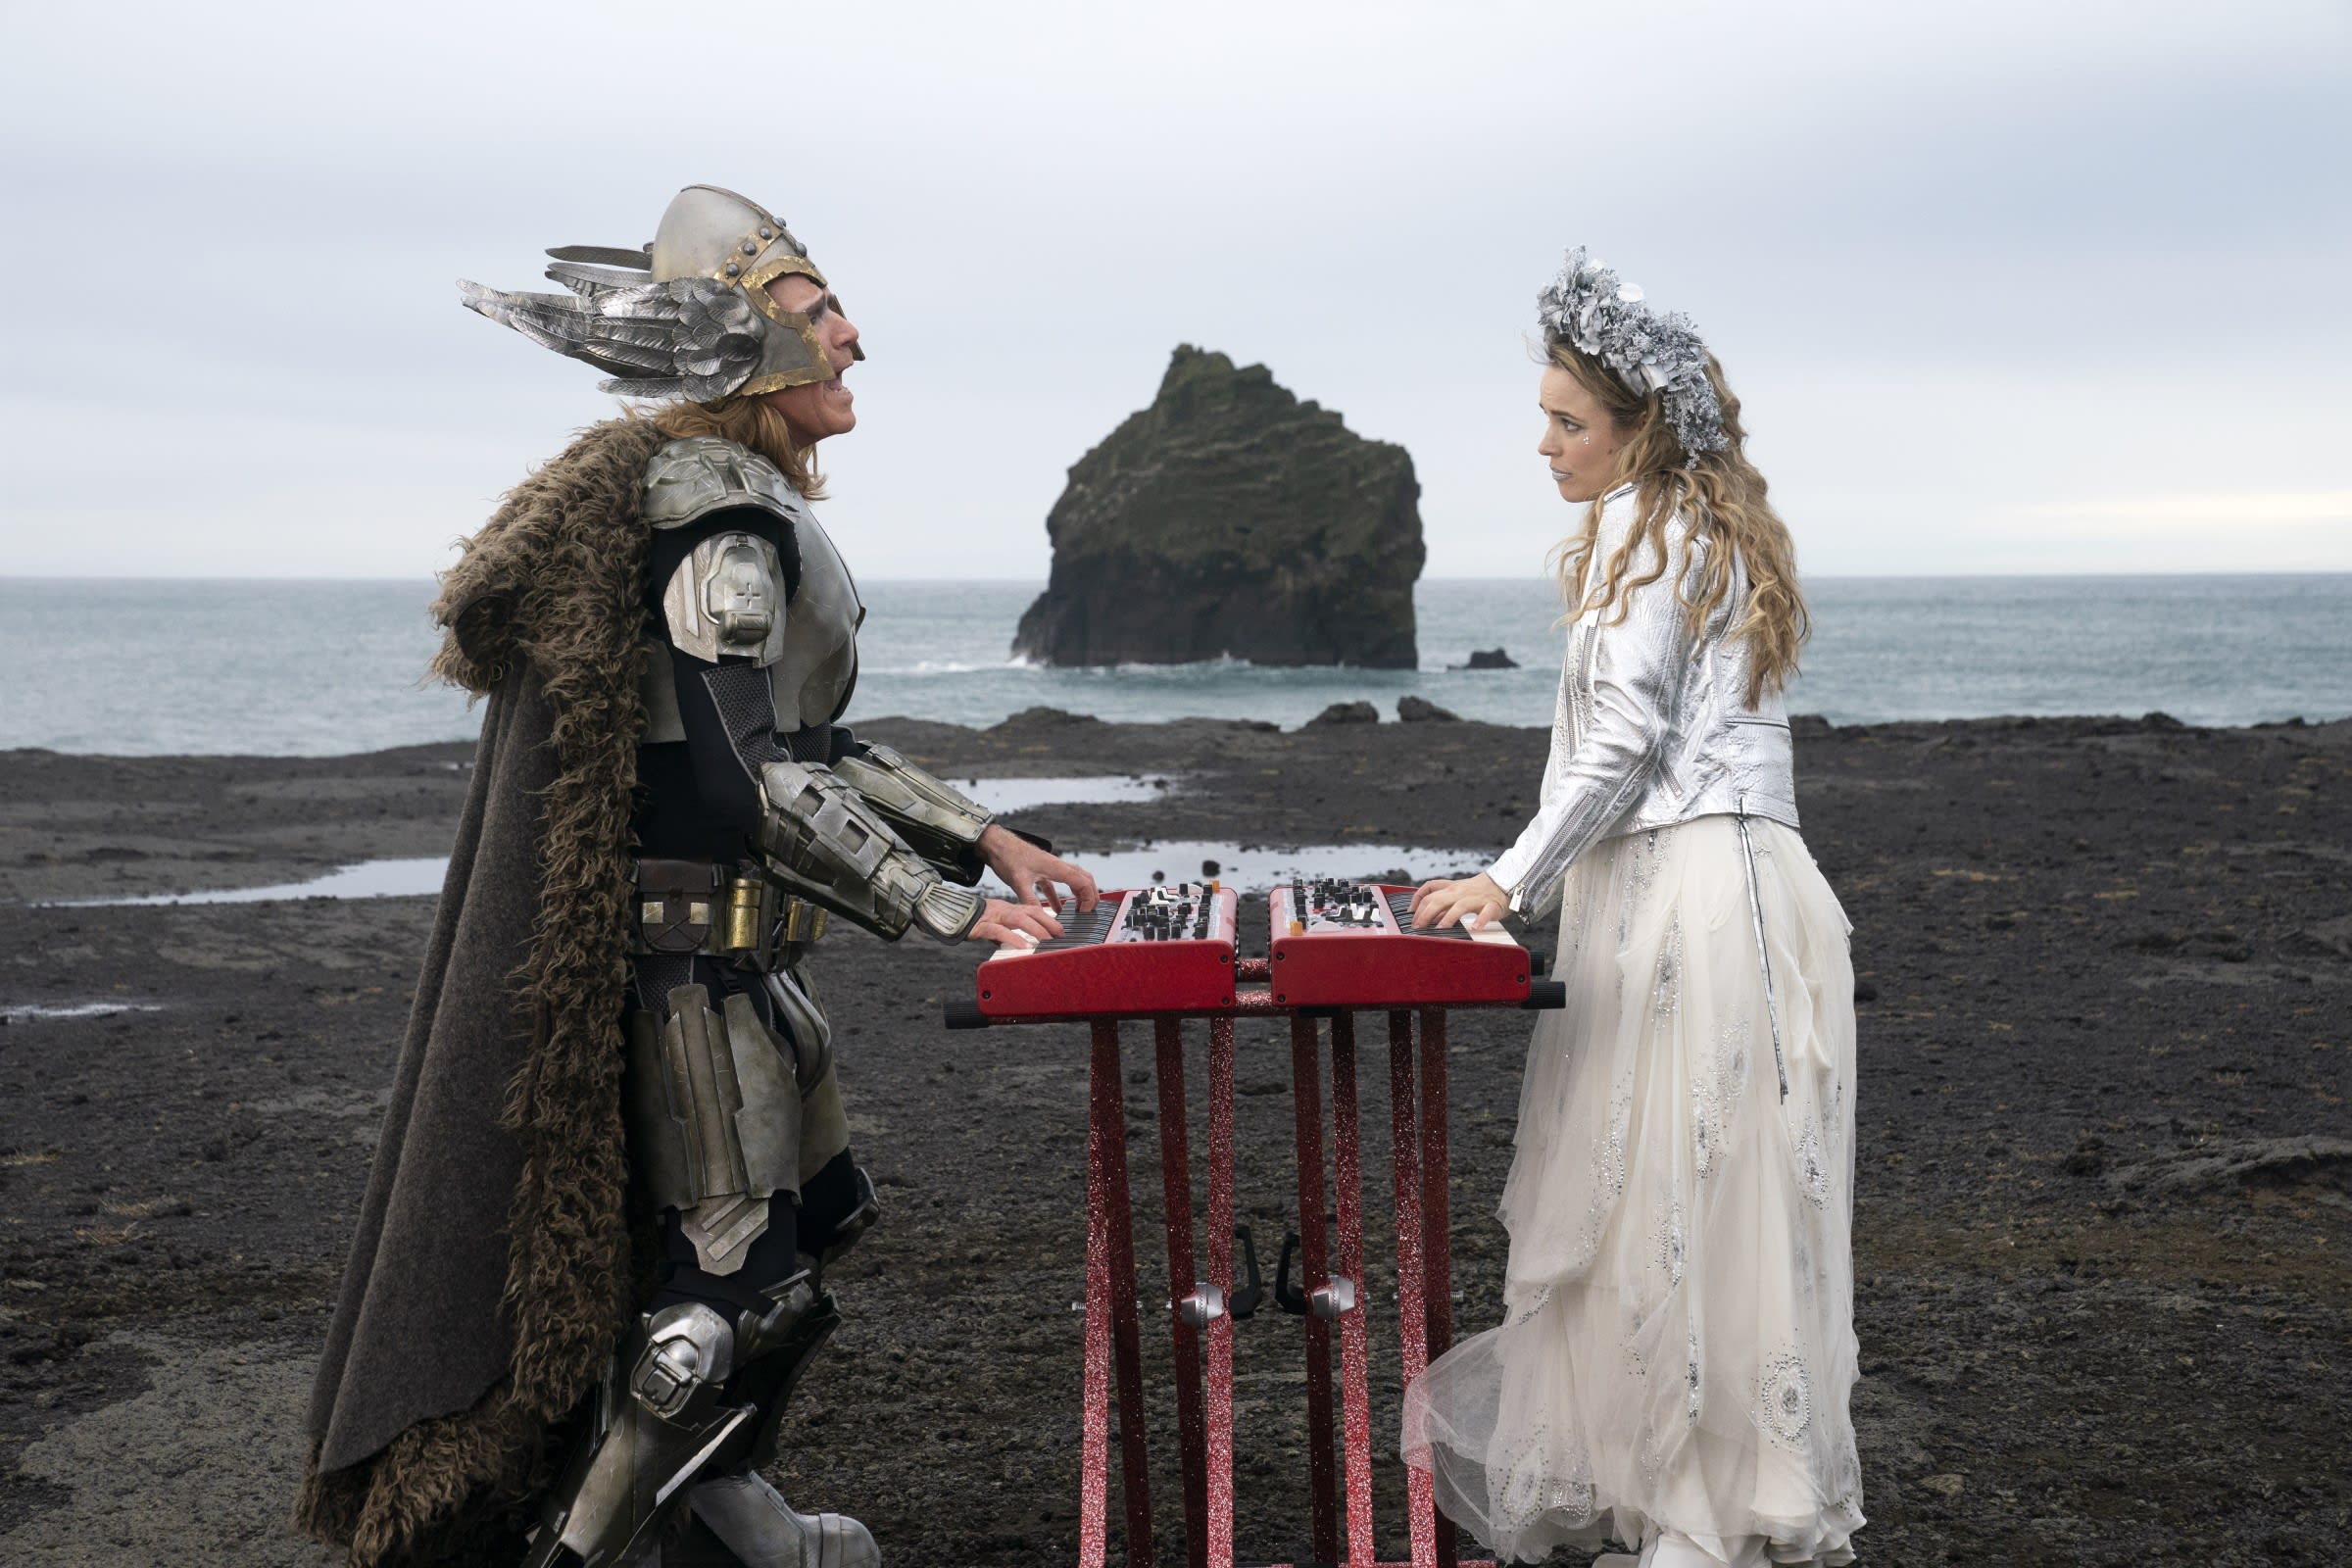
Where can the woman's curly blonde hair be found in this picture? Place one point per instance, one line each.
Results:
(1722, 495)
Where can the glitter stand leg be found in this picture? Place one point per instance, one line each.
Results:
(1355, 1351)
(1412, 1318)
(1112, 1342)
(1437, 1239)
(1191, 1309)
(1220, 1279)
(1307, 1104)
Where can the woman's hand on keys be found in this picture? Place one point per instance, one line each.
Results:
(1473, 903)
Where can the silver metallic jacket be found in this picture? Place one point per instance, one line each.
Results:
(1653, 727)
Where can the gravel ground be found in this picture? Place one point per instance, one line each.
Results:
(2102, 1224)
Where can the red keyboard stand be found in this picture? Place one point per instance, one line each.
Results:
(1340, 1444)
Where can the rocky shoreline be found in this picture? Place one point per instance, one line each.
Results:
(2102, 1225)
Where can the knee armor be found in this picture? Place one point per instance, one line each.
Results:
(690, 1394)
(656, 1426)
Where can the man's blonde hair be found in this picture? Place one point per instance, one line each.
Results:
(752, 423)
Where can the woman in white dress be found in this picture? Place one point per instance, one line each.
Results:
(1677, 1352)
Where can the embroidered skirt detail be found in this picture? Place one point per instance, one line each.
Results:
(1677, 1351)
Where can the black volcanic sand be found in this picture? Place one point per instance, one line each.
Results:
(2103, 1238)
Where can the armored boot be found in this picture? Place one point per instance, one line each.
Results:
(734, 1503)
(759, 1529)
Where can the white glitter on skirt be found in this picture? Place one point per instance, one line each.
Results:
(1677, 1350)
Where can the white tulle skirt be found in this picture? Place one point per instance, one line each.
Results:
(1677, 1352)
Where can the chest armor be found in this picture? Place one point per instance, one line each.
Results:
(730, 595)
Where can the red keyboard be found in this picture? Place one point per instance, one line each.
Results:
(1353, 944)
(1165, 949)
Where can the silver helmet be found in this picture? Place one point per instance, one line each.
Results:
(686, 316)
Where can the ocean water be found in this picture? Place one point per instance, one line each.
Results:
(314, 668)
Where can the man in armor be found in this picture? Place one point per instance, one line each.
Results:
(666, 814)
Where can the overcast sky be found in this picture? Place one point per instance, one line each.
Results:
(2003, 286)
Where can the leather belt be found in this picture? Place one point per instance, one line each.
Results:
(723, 912)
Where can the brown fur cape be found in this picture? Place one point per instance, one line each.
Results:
(491, 1267)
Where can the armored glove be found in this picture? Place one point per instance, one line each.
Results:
(823, 840)
(938, 824)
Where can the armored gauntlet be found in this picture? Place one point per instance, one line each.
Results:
(936, 822)
(823, 839)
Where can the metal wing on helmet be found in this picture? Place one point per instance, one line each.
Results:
(639, 260)
(691, 337)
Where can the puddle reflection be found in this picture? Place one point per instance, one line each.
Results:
(1027, 794)
(369, 879)
(74, 1009)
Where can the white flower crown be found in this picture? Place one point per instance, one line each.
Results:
(1586, 306)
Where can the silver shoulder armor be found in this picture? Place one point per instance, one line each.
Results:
(698, 474)
(822, 840)
(727, 597)
(715, 601)
(943, 826)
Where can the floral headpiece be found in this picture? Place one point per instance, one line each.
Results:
(1586, 306)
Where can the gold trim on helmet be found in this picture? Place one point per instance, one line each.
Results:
(773, 252)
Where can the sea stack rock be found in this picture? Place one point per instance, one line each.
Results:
(1231, 519)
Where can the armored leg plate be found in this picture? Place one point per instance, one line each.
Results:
(770, 1382)
(715, 1120)
(804, 1017)
(859, 1220)
(658, 1426)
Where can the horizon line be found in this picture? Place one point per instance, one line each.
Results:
(1038, 583)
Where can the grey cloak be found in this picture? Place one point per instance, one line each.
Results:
(492, 1268)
